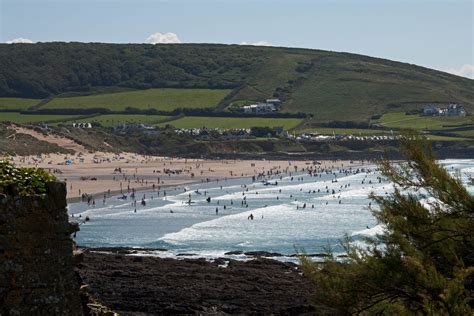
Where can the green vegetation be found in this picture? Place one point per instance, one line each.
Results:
(422, 264)
(17, 103)
(232, 122)
(115, 119)
(468, 133)
(159, 99)
(445, 128)
(444, 138)
(27, 180)
(345, 131)
(400, 120)
(31, 118)
(325, 84)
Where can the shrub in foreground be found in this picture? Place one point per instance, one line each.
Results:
(27, 180)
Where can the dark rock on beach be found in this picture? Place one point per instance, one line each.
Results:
(312, 255)
(262, 254)
(132, 285)
(125, 250)
(233, 253)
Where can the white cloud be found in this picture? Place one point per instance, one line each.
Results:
(163, 38)
(259, 43)
(20, 40)
(466, 70)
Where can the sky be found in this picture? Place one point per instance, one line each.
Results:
(437, 34)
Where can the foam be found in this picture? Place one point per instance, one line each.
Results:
(371, 232)
(285, 225)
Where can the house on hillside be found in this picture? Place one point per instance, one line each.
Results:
(452, 109)
(275, 102)
(455, 110)
(431, 110)
(259, 108)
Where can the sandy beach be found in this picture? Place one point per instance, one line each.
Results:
(99, 173)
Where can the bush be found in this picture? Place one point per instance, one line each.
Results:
(346, 124)
(27, 180)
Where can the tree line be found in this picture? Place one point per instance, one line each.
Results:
(45, 69)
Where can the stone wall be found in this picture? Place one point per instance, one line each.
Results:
(36, 261)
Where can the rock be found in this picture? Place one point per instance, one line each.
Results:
(126, 250)
(233, 253)
(196, 286)
(262, 254)
(78, 256)
(37, 262)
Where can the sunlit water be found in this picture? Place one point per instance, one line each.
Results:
(280, 223)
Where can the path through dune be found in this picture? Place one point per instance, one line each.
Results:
(50, 138)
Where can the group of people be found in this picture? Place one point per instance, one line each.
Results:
(273, 176)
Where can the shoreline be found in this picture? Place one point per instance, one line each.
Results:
(238, 255)
(98, 195)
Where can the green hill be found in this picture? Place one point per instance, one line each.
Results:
(328, 85)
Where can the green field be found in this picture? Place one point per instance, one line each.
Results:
(446, 138)
(468, 133)
(344, 131)
(17, 103)
(160, 99)
(31, 118)
(400, 121)
(233, 122)
(115, 119)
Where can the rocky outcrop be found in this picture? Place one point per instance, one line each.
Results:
(36, 261)
(135, 285)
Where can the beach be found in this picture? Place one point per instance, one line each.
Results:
(109, 173)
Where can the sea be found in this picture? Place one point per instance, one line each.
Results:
(285, 214)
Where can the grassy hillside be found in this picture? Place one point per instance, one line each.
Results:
(161, 99)
(329, 85)
(17, 103)
(401, 120)
(32, 118)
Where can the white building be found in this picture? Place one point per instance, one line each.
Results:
(259, 108)
(455, 110)
(451, 110)
(82, 125)
(273, 101)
